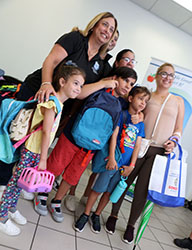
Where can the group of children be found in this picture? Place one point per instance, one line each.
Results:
(68, 83)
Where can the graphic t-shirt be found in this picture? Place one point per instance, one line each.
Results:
(132, 131)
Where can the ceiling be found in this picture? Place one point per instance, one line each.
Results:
(169, 11)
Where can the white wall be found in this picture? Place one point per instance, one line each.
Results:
(29, 29)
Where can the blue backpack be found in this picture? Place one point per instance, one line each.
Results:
(97, 120)
(8, 110)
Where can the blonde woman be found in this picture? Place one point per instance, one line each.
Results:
(81, 48)
(169, 125)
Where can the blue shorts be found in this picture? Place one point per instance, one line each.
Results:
(106, 181)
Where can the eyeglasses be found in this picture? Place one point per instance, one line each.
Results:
(127, 59)
(164, 74)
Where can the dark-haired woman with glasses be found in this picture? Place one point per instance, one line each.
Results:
(169, 127)
(125, 58)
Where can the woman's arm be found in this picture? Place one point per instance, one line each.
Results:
(139, 117)
(169, 145)
(112, 164)
(91, 88)
(56, 55)
(49, 117)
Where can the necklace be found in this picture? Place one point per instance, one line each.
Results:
(160, 98)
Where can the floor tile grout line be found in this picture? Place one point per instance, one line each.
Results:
(155, 237)
(76, 245)
(107, 233)
(158, 240)
(12, 248)
(33, 238)
(99, 243)
(56, 230)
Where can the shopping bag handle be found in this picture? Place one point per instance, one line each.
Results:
(180, 151)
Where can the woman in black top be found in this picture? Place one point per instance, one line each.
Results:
(78, 47)
(81, 48)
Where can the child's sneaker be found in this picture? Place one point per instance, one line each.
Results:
(40, 203)
(95, 223)
(80, 223)
(9, 228)
(128, 235)
(17, 217)
(110, 224)
(55, 209)
(27, 195)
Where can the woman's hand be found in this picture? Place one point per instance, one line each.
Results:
(169, 146)
(44, 92)
(139, 117)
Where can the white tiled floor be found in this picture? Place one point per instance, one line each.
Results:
(42, 233)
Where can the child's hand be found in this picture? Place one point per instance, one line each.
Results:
(111, 164)
(126, 170)
(109, 83)
(42, 165)
(139, 117)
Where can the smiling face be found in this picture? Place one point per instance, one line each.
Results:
(127, 60)
(124, 86)
(113, 42)
(103, 30)
(165, 77)
(72, 87)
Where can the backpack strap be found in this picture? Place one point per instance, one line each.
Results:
(83, 163)
(17, 144)
(52, 98)
(124, 113)
(110, 91)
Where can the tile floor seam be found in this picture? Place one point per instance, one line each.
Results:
(34, 234)
(155, 237)
(9, 247)
(163, 242)
(107, 233)
(102, 244)
(56, 230)
(75, 233)
(165, 230)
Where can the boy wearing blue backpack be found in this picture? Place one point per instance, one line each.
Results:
(127, 136)
(104, 111)
(67, 83)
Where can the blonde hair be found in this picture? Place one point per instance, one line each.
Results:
(164, 65)
(87, 31)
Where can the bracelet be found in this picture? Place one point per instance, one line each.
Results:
(131, 165)
(177, 134)
(174, 138)
(44, 83)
